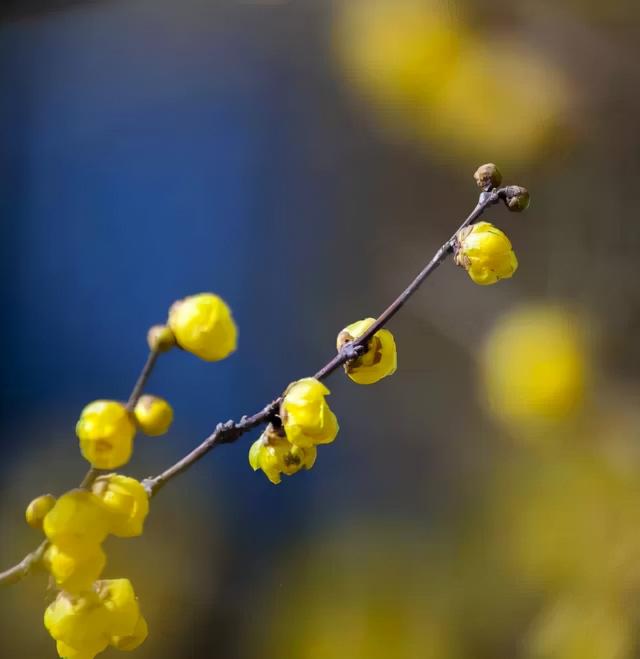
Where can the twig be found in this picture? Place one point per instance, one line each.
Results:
(231, 431)
(24, 567)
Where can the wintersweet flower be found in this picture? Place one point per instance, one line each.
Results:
(381, 358)
(306, 417)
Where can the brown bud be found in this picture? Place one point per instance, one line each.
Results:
(488, 176)
(517, 198)
(160, 338)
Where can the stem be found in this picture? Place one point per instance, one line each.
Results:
(24, 567)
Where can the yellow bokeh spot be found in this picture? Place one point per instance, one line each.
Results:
(535, 366)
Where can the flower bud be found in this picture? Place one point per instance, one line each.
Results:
(485, 253)
(153, 415)
(37, 509)
(378, 362)
(160, 338)
(306, 417)
(488, 176)
(203, 325)
(517, 198)
(106, 431)
(275, 455)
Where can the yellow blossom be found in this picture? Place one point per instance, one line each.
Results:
(535, 366)
(276, 455)
(37, 509)
(203, 325)
(106, 431)
(80, 623)
(306, 417)
(153, 415)
(133, 640)
(75, 570)
(378, 362)
(77, 520)
(485, 253)
(127, 502)
(120, 602)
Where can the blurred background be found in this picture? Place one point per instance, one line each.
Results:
(304, 159)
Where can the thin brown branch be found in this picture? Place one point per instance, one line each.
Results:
(231, 431)
(24, 567)
(226, 433)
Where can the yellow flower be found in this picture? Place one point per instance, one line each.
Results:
(535, 366)
(305, 414)
(380, 360)
(106, 431)
(37, 509)
(134, 640)
(485, 253)
(120, 602)
(153, 415)
(127, 502)
(77, 521)
(203, 325)
(80, 623)
(75, 570)
(275, 455)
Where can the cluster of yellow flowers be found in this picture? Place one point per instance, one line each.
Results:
(306, 419)
(89, 613)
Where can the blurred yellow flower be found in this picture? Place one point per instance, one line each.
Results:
(435, 79)
(534, 366)
(380, 360)
(106, 431)
(78, 520)
(306, 417)
(80, 623)
(75, 570)
(127, 502)
(485, 253)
